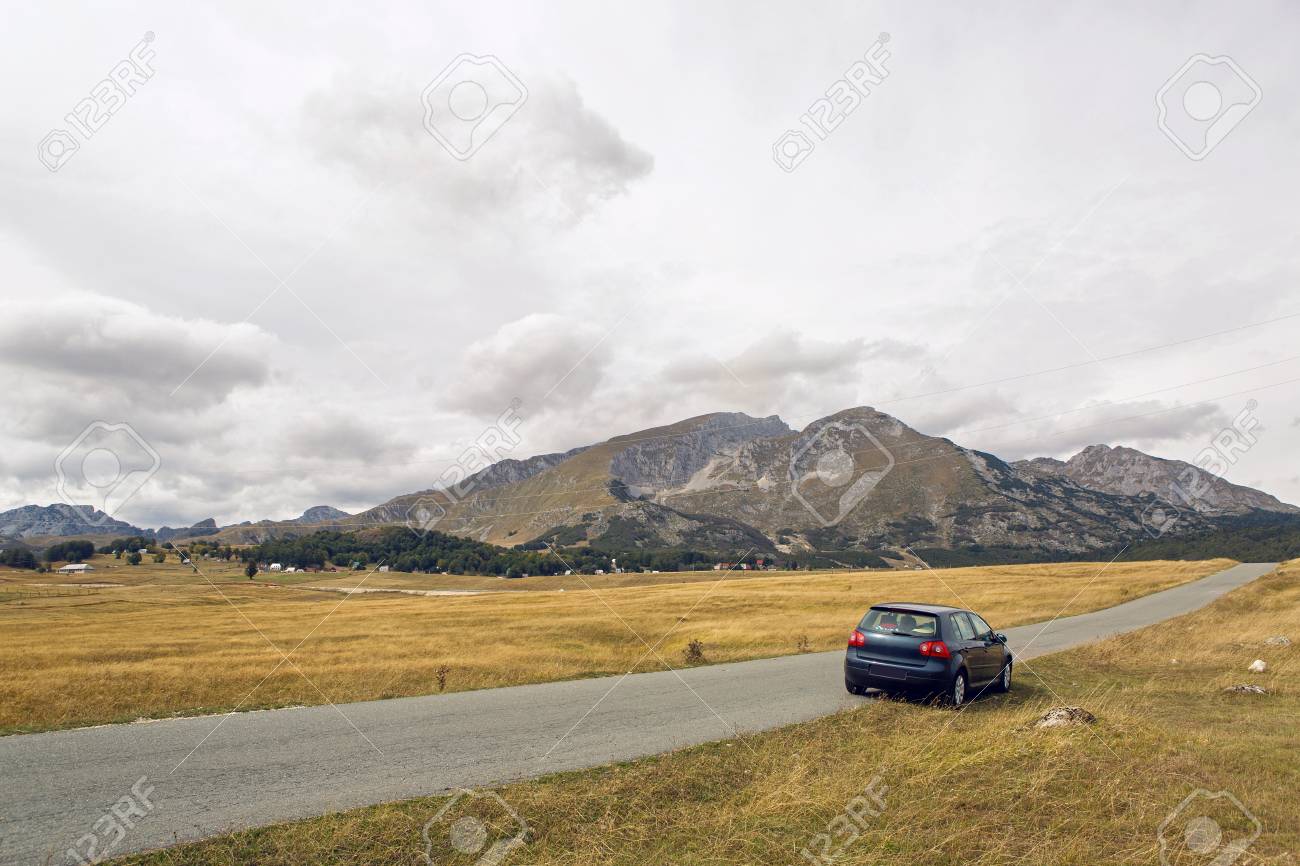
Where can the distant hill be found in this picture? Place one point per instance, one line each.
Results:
(320, 514)
(62, 520)
(1129, 472)
(202, 528)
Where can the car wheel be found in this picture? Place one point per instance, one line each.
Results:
(1003, 683)
(853, 688)
(956, 696)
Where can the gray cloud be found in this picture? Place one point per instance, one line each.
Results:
(555, 158)
(83, 337)
(543, 360)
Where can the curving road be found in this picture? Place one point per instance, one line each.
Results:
(215, 774)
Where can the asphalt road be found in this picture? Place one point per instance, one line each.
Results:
(220, 773)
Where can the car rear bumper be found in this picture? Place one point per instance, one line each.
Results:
(878, 675)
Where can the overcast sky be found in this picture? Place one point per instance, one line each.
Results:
(267, 266)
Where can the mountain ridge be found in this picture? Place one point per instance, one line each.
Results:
(857, 479)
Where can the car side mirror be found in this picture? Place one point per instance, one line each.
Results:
(1000, 637)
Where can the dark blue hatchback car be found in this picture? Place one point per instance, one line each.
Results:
(925, 647)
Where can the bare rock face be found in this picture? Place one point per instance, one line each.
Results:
(60, 519)
(650, 463)
(1128, 472)
(1246, 689)
(1258, 666)
(1065, 717)
(320, 514)
(1278, 640)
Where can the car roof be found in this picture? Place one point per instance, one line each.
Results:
(918, 608)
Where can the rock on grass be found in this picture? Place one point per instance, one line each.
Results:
(1065, 717)
(1246, 689)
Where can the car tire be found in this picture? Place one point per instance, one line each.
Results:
(958, 690)
(1003, 682)
(853, 688)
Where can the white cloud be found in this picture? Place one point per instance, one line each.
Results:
(542, 360)
(555, 158)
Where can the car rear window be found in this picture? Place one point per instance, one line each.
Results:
(904, 622)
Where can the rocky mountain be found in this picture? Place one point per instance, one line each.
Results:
(203, 527)
(859, 480)
(1128, 472)
(863, 480)
(59, 519)
(320, 514)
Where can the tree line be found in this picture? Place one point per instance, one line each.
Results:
(403, 549)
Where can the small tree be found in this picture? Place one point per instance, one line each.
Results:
(251, 569)
(160, 557)
(133, 558)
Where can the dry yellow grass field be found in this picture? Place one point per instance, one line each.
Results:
(150, 651)
(979, 787)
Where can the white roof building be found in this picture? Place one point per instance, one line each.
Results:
(75, 568)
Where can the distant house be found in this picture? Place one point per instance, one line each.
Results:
(383, 568)
(142, 551)
(76, 568)
(275, 566)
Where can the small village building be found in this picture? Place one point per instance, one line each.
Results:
(75, 568)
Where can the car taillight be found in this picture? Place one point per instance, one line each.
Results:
(857, 638)
(935, 649)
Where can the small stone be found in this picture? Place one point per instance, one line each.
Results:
(1278, 640)
(1258, 666)
(1173, 661)
(1065, 717)
(1246, 689)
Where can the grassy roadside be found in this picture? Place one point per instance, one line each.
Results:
(153, 651)
(976, 787)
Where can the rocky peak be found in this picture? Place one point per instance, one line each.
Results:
(664, 457)
(320, 514)
(62, 519)
(1129, 472)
